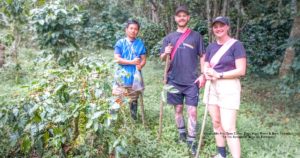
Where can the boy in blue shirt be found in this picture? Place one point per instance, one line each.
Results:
(130, 54)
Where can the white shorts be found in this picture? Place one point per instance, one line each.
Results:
(225, 93)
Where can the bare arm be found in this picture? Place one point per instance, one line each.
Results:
(167, 51)
(238, 72)
(143, 62)
(201, 79)
(122, 61)
(202, 58)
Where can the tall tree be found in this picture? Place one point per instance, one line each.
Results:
(225, 7)
(208, 14)
(238, 23)
(154, 11)
(289, 54)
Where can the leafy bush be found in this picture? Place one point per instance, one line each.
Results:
(101, 35)
(263, 38)
(66, 112)
(151, 34)
(56, 29)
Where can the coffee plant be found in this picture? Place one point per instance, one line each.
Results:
(66, 112)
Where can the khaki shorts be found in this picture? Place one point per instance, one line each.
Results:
(225, 93)
(125, 92)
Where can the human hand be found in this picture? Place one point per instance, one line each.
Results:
(201, 81)
(168, 49)
(139, 67)
(211, 74)
(136, 61)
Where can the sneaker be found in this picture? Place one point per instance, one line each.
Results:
(218, 156)
(193, 147)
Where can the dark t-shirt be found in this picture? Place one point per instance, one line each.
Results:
(227, 61)
(185, 64)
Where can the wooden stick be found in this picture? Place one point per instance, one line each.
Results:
(142, 108)
(162, 102)
(206, 92)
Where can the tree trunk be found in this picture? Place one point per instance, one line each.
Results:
(2, 55)
(216, 8)
(294, 6)
(238, 23)
(208, 11)
(154, 11)
(290, 51)
(225, 6)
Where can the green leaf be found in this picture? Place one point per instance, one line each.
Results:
(16, 112)
(163, 97)
(89, 124)
(41, 22)
(170, 88)
(97, 114)
(37, 118)
(26, 143)
(96, 126)
(98, 93)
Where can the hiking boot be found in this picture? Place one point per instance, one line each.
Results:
(218, 156)
(193, 147)
(182, 137)
(133, 110)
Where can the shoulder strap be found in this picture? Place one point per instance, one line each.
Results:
(218, 55)
(179, 41)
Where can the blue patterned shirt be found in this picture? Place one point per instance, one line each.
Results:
(128, 50)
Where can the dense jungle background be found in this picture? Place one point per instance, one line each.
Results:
(56, 73)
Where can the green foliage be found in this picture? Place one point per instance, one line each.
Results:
(101, 35)
(64, 110)
(290, 84)
(6, 38)
(15, 10)
(151, 33)
(263, 37)
(56, 26)
(201, 27)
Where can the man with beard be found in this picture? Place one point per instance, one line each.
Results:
(186, 49)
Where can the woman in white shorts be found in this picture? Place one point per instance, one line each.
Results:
(225, 62)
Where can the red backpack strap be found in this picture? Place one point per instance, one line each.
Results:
(179, 41)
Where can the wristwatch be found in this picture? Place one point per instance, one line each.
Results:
(221, 76)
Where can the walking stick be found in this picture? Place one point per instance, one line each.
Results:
(206, 92)
(142, 108)
(162, 102)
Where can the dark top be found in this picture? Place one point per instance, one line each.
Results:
(227, 61)
(185, 64)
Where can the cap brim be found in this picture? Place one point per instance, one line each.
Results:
(182, 11)
(220, 21)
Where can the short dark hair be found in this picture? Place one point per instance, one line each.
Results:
(132, 21)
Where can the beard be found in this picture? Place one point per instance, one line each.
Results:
(180, 24)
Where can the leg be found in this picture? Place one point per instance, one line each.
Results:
(214, 112)
(176, 99)
(179, 119)
(133, 104)
(229, 125)
(192, 121)
(133, 109)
